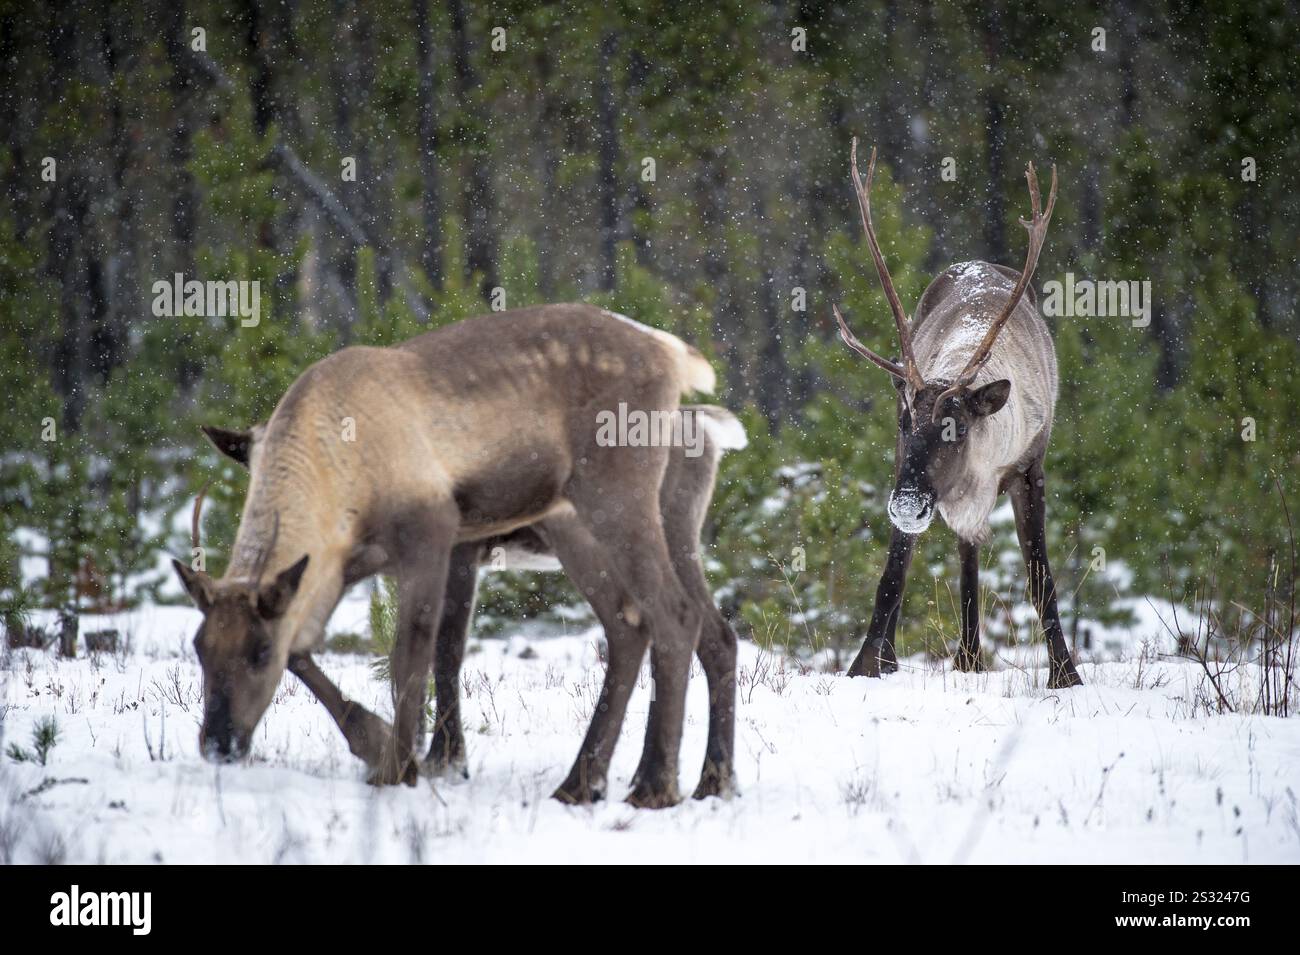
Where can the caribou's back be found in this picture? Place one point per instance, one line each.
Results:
(951, 319)
(492, 410)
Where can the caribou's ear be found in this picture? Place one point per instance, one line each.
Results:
(274, 598)
(197, 584)
(989, 399)
(235, 445)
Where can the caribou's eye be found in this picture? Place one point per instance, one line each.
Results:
(261, 654)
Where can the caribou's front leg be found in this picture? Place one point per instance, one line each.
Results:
(877, 653)
(424, 548)
(1028, 500)
(967, 656)
(368, 735)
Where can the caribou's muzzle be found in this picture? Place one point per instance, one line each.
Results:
(219, 740)
(910, 509)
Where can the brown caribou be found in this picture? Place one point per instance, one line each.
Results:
(684, 499)
(383, 460)
(973, 421)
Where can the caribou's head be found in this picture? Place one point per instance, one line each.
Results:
(933, 430)
(936, 418)
(240, 644)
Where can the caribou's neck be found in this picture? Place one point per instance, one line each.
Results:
(289, 514)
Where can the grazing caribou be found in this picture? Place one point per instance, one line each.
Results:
(973, 421)
(383, 460)
(684, 500)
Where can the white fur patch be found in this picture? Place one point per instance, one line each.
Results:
(518, 558)
(697, 373)
(968, 515)
(723, 427)
(666, 337)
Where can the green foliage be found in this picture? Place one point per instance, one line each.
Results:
(45, 736)
(1149, 466)
(383, 626)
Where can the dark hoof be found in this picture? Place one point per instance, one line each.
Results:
(369, 737)
(646, 796)
(446, 759)
(573, 793)
(439, 767)
(874, 659)
(390, 774)
(715, 782)
(967, 662)
(1064, 677)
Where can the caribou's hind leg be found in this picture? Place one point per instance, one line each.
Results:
(615, 498)
(968, 651)
(447, 744)
(717, 644)
(1028, 500)
(586, 563)
(654, 786)
(717, 653)
(877, 654)
(579, 552)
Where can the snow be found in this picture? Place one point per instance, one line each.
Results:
(926, 765)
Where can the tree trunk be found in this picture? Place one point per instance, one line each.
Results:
(607, 137)
(273, 50)
(430, 195)
(995, 238)
(184, 190)
(338, 251)
(15, 121)
(638, 69)
(728, 324)
(548, 174)
(1167, 329)
(479, 205)
(773, 372)
(122, 286)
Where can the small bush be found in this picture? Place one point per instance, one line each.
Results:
(383, 626)
(45, 736)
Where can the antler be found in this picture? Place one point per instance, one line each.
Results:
(1037, 234)
(852, 341)
(198, 513)
(265, 556)
(908, 370)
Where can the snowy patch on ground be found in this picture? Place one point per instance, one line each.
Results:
(926, 765)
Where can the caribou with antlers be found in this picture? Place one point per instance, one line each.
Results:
(973, 422)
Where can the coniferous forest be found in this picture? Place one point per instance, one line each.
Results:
(384, 168)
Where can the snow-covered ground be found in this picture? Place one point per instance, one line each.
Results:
(926, 766)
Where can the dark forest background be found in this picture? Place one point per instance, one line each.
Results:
(517, 160)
